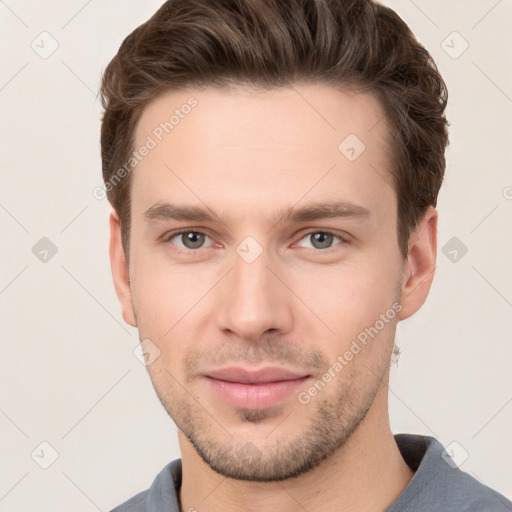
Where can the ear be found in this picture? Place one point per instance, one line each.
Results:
(420, 265)
(120, 272)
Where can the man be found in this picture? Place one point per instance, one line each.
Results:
(273, 168)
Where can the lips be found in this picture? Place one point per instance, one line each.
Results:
(254, 389)
(261, 376)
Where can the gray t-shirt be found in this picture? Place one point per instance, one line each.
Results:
(437, 485)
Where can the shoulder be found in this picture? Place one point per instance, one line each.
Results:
(135, 504)
(439, 483)
(473, 496)
(162, 495)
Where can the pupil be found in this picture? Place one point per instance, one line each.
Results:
(322, 240)
(193, 240)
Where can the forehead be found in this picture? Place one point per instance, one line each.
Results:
(262, 145)
(247, 114)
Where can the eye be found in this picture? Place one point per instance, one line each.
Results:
(322, 239)
(188, 239)
(191, 239)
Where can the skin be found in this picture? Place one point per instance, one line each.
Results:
(247, 155)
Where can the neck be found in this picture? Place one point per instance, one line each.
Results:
(366, 474)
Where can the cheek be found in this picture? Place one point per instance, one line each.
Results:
(350, 302)
(154, 301)
(161, 290)
(169, 304)
(159, 304)
(349, 296)
(331, 302)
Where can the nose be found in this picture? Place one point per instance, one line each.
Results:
(254, 300)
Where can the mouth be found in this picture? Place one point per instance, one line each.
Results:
(254, 389)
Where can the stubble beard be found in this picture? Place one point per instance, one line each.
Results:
(332, 421)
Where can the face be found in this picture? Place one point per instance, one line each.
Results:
(264, 270)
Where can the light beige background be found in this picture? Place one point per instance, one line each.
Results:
(68, 373)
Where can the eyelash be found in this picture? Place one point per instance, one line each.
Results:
(174, 234)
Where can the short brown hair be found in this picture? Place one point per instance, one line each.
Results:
(271, 43)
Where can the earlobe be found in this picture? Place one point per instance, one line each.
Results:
(120, 271)
(420, 265)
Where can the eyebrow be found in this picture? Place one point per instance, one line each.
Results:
(318, 211)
